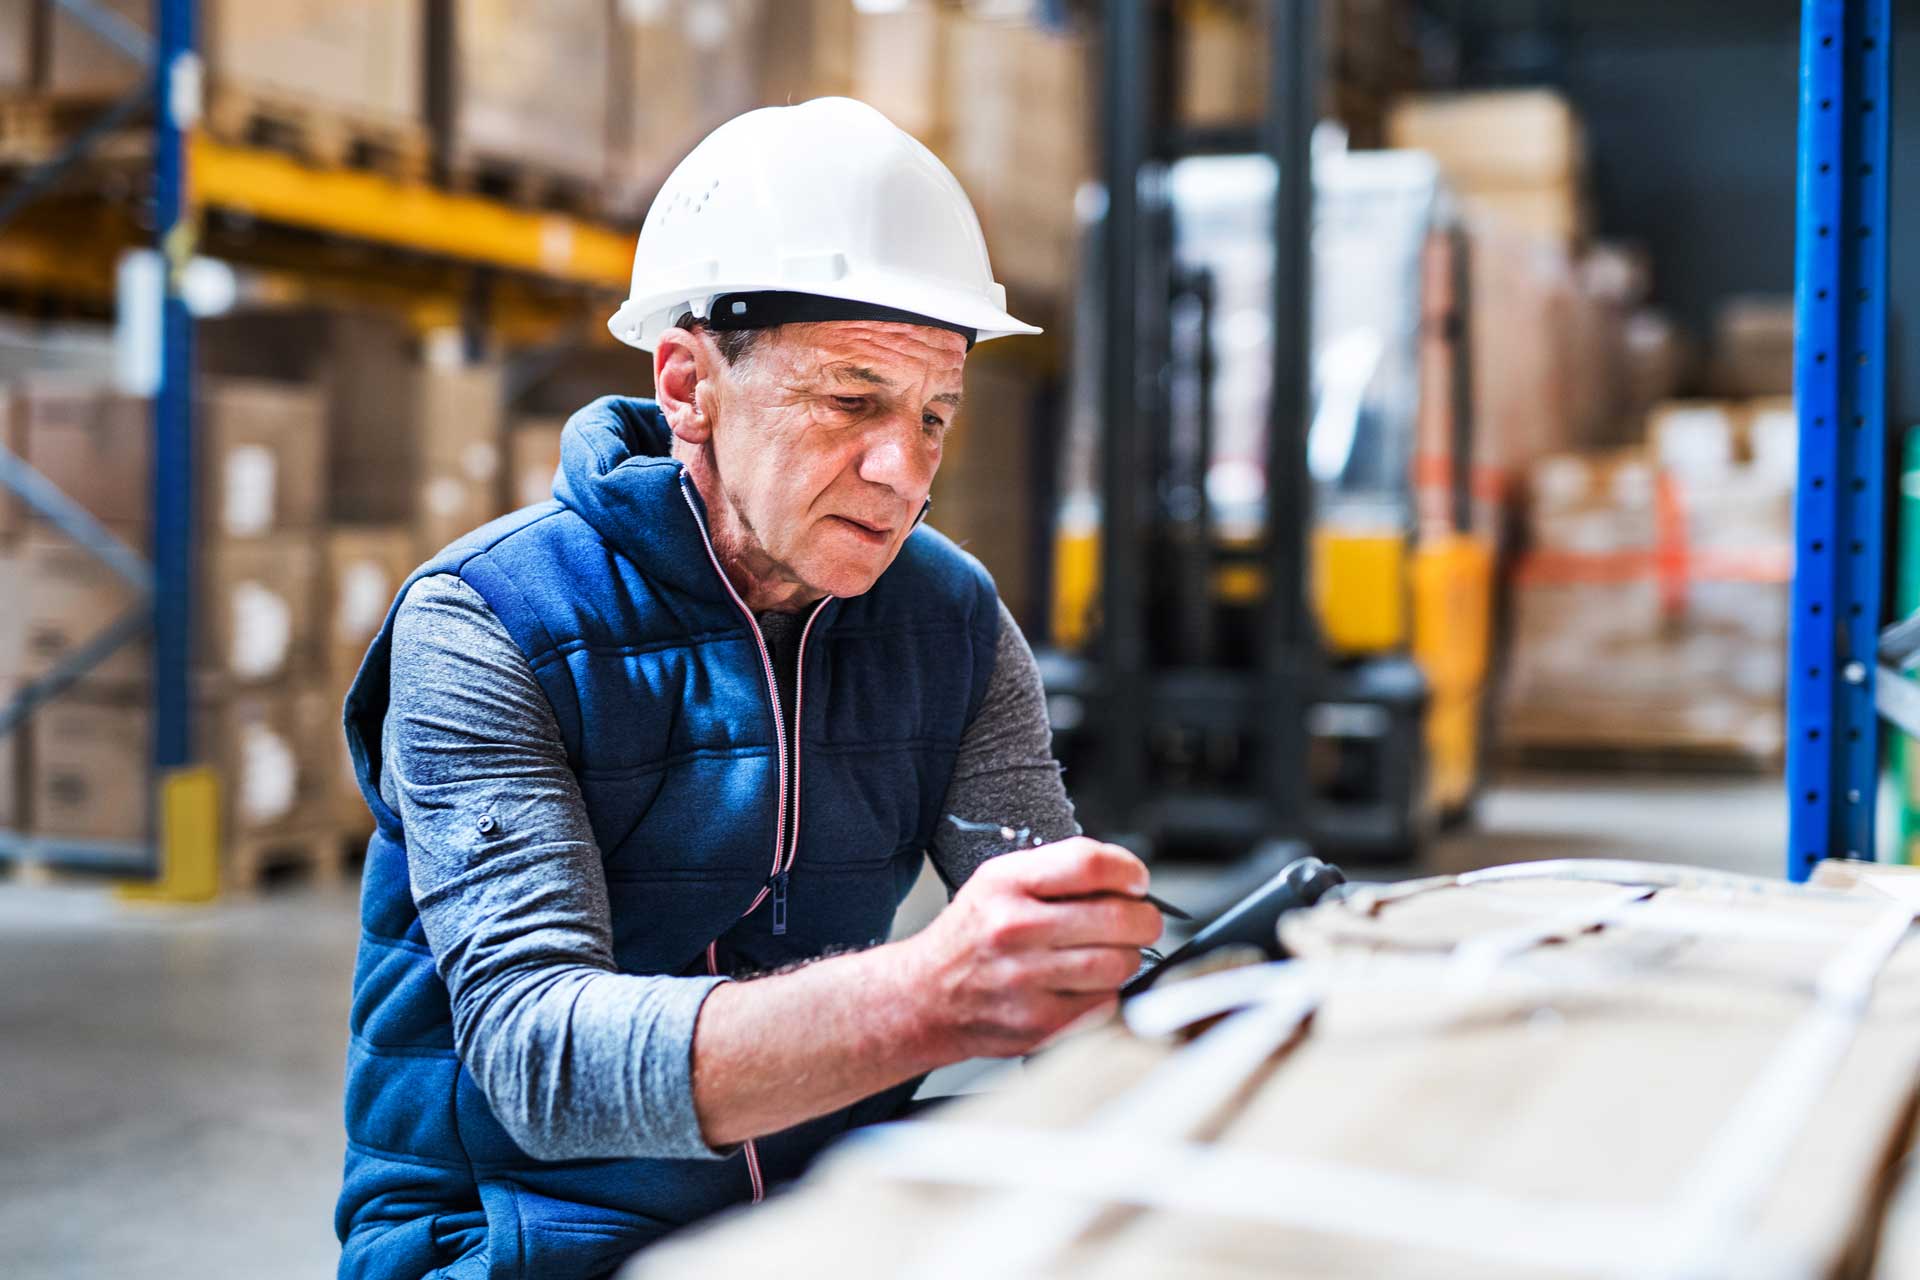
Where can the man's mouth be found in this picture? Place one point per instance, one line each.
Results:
(874, 533)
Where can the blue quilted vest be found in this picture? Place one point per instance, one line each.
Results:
(659, 683)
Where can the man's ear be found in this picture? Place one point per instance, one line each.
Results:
(680, 363)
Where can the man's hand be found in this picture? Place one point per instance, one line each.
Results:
(1034, 940)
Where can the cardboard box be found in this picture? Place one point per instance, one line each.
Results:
(1753, 348)
(1023, 180)
(263, 457)
(67, 597)
(361, 363)
(88, 772)
(259, 609)
(982, 494)
(900, 67)
(806, 50)
(278, 759)
(357, 56)
(653, 43)
(506, 74)
(365, 567)
(94, 445)
(260, 450)
(461, 417)
(16, 45)
(1222, 64)
(1503, 139)
(1620, 1064)
(1553, 212)
(533, 453)
(255, 622)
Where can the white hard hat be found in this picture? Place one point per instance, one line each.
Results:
(821, 211)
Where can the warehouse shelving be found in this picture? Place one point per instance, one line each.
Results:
(1838, 687)
(495, 259)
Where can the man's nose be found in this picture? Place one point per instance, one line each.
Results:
(898, 456)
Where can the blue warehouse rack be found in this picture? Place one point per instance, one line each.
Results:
(192, 174)
(1836, 691)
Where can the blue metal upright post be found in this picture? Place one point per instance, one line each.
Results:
(178, 89)
(1840, 378)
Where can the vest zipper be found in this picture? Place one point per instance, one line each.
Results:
(773, 694)
(783, 852)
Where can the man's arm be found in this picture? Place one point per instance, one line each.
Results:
(578, 1060)
(1005, 774)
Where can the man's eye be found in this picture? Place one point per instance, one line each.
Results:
(934, 425)
(850, 404)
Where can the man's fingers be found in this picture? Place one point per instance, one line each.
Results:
(1090, 971)
(1074, 868)
(1103, 922)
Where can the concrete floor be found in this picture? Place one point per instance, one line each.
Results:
(170, 1078)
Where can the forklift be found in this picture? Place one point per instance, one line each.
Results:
(1270, 593)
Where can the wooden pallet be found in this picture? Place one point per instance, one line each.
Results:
(1641, 755)
(316, 854)
(319, 134)
(517, 182)
(34, 128)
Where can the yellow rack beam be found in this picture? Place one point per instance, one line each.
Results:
(407, 215)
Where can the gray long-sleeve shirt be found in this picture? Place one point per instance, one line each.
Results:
(577, 1059)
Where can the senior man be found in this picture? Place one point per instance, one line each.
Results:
(654, 763)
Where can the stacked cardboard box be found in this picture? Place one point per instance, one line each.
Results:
(360, 58)
(365, 567)
(533, 455)
(256, 644)
(654, 121)
(1368, 59)
(1752, 348)
(1516, 157)
(360, 364)
(1002, 78)
(460, 424)
(531, 91)
(1531, 1071)
(1651, 610)
(983, 496)
(16, 44)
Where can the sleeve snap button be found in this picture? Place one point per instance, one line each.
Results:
(487, 824)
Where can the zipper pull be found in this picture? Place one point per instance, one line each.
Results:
(780, 903)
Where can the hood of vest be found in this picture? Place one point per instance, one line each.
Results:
(617, 472)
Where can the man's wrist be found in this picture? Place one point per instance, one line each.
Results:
(909, 1021)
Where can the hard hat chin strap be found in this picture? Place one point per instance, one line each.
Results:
(764, 309)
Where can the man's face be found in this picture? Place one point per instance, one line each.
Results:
(825, 440)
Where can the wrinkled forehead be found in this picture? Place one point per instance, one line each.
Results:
(907, 351)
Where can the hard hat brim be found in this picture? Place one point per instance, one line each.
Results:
(640, 321)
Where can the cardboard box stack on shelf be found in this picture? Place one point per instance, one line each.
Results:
(533, 455)
(1516, 157)
(522, 100)
(1651, 610)
(365, 566)
(1752, 347)
(653, 45)
(260, 715)
(338, 81)
(16, 45)
(1368, 59)
(459, 418)
(1017, 130)
(983, 496)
